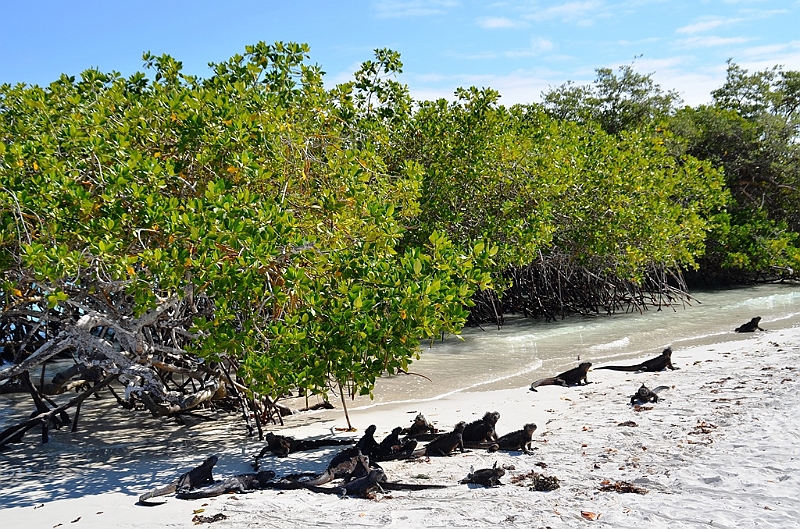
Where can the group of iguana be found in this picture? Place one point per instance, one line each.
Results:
(357, 466)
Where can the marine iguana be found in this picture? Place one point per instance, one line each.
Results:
(389, 443)
(367, 444)
(359, 478)
(517, 440)
(488, 477)
(282, 446)
(750, 326)
(482, 430)
(374, 481)
(659, 363)
(391, 447)
(420, 429)
(645, 394)
(345, 463)
(348, 464)
(447, 443)
(197, 477)
(363, 487)
(568, 378)
(241, 483)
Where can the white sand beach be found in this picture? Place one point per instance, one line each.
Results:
(721, 448)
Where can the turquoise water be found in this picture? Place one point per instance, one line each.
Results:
(524, 350)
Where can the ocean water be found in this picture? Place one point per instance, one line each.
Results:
(524, 350)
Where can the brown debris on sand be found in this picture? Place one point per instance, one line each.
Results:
(621, 486)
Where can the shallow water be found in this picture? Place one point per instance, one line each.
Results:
(524, 350)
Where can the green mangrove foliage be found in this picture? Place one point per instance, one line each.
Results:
(616, 102)
(535, 185)
(252, 233)
(481, 181)
(750, 132)
(232, 226)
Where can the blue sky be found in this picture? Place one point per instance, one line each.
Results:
(518, 48)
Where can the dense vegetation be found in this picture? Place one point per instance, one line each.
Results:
(750, 132)
(234, 238)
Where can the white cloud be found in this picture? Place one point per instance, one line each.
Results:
(710, 41)
(682, 74)
(500, 23)
(765, 52)
(520, 89)
(580, 12)
(743, 1)
(476, 56)
(766, 13)
(411, 8)
(431, 93)
(541, 44)
(762, 52)
(429, 78)
(538, 47)
(763, 57)
(705, 25)
(639, 42)
(693, 87)
(694, 84)
(645, 65)
(517, 87)
(343, 76)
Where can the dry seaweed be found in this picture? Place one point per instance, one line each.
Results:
(621, 486)
(536, 481)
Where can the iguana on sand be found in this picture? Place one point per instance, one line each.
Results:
(197, 477)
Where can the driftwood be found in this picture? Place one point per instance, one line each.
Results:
(98, 342)
(46, 417)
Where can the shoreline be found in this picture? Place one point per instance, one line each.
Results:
(524, 350)
(721, 446)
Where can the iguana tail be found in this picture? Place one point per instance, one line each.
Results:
(161, 491)
(621, 368)
(550, 381)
